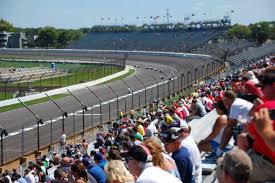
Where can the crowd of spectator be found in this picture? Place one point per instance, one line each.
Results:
(154, 145)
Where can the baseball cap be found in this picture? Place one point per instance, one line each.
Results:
(236, 163)
(140, 153)
(86, 161)
(169, 136)
(249, 75)
(98, 157)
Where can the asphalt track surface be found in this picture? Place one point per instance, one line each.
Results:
(171, 67)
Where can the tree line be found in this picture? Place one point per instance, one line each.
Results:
(46, 37)
(259, 32)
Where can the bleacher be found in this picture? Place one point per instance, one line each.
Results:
(253, 54)
(219, 49)
(183, 40)
(23, 75)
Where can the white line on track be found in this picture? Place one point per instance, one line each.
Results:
(79, 112)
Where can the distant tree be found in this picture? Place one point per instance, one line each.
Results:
(261, 31)
(47, 37)
(272, 31)
(6, 26)
(85, 30)
(239, 32)
(64, 38)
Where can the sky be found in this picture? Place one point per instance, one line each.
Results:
(86, 13)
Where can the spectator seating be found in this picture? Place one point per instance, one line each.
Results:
(183, 40)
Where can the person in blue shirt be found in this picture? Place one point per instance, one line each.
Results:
(96, 171)
(172, 144)
(100, 160)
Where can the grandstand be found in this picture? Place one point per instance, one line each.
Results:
(176, 40)
(253, 53)
(222, 48)
(23, 75)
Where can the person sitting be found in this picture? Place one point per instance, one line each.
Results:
(116, 172)
(212, 141)
(79, 172)
(139, 161)
(198, 110)
(238, 108)
(180, 154)
(234, 167)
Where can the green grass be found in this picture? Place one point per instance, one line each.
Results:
(2, 95)
(78, 74)
(29, 103)
(45, 99)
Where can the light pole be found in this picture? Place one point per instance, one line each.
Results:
(3, 132)
(38, 121)
(84, 109)
(145, 89)
(64, 114)
(117, 104)
(132, 92)
(100, 103)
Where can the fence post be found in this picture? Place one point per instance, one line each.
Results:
(117, 103)
(125, 105)
(92, 116)
(40, 81)
(6, 81)
(109, 111)
(74, 126)
(145, 89)
(18, 85)
(51, 131)
(139, 105)
(22, 145)
(83, 74)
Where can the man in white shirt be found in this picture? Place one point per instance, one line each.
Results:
(29, 177)
(238, 108)
(189, 143)
(140, 165)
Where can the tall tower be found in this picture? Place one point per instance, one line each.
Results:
(167, 16)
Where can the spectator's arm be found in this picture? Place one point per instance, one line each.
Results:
(220, 122)
(232, 122)
(193, 110)
(263, 125)
(257, 103)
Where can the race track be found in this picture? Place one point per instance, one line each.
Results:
(172, 67)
